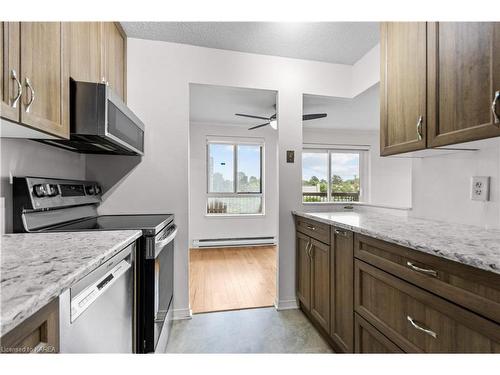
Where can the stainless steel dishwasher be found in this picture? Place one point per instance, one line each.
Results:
(97, 313)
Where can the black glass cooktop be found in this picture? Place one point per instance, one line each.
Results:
(146, 223)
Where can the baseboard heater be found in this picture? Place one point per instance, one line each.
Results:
(243, 241)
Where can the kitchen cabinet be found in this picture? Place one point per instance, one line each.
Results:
(45, 77)
(463, 81)
(37, 334)
(114, 44)
(402, 87)
(320, 282)
(342, 289)
(10, 84)
(303, 270)
(439, 84)
(386, 298)
(86, 51)
(418, 321)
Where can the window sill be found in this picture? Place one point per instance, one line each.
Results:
(356, 204)
(239, 216)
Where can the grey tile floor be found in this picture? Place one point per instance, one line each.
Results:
(264, 330)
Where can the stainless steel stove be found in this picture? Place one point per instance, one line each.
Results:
(57, 205)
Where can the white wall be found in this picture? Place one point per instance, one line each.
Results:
(441, 187)
(389, 178)
(158, 78)
(202, 226)
(22, 157)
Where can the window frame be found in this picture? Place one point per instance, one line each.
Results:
(363, 172)
(235, 142)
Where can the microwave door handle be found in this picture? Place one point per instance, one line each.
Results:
(161, 244)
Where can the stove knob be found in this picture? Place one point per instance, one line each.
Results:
(52, 190)
(97, 189)
(39, 190)
(89, 189)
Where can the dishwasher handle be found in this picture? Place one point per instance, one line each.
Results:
(83, 300)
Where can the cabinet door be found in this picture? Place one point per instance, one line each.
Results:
(86, 57)
(114, 57)
(10, 90)
(402, 87)
(303, 270)
(342, 289)
(463, 77)
(45, 77)
(320, 279)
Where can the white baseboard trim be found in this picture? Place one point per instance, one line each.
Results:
(181, 314)
(289, 304)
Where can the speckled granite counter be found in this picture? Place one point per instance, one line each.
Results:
(467, 244)
(36, 267)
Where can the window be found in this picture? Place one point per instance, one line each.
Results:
(331, 175)
(234, 174)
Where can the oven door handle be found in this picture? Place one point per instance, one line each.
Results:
(160, 245)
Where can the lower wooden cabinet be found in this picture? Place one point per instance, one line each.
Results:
(320, 283)
(37, 334)
(418, 321)
(303, 270)
(342, 289)
(365, 295)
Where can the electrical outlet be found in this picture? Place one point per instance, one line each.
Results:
(480, 188)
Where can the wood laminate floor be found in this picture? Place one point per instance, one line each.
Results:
(232, 278)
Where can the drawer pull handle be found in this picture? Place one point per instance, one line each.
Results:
(416, 326)
(310, 227)
(19, 89)
(420, 269)
(494, 107)
(309, 248)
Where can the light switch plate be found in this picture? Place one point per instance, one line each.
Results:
(480, 188)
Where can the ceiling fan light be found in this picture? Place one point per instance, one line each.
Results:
(274, 124)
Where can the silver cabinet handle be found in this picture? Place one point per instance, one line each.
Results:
(420, 269)
(494, 107)
(32, 98)
(310, 227)
(416, 326)
(420, 121)
(13, 75)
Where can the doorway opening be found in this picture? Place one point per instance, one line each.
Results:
(233, 212)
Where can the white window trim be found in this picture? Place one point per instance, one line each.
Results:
(363, 152)
(235, 141)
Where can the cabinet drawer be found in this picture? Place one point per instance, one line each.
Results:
(469, 287)
(418, 321)
(313, 229)
(369, 340)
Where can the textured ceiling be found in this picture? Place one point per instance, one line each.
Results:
(334, 42)
(217, 105)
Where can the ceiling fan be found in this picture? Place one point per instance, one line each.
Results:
(274, 123)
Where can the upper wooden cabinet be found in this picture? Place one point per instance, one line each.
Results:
(10, 84)
(439, 84)
(86, 52)
(98, 54)
(114, 58)
(463, 77)
(45, 77)
(402, 87)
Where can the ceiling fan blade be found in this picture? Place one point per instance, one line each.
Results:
(251, 116)
(313, 116)
(258, 126)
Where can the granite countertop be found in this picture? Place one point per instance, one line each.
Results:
(37, 267)
(466, 244)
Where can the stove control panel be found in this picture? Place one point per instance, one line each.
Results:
(36, 193)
